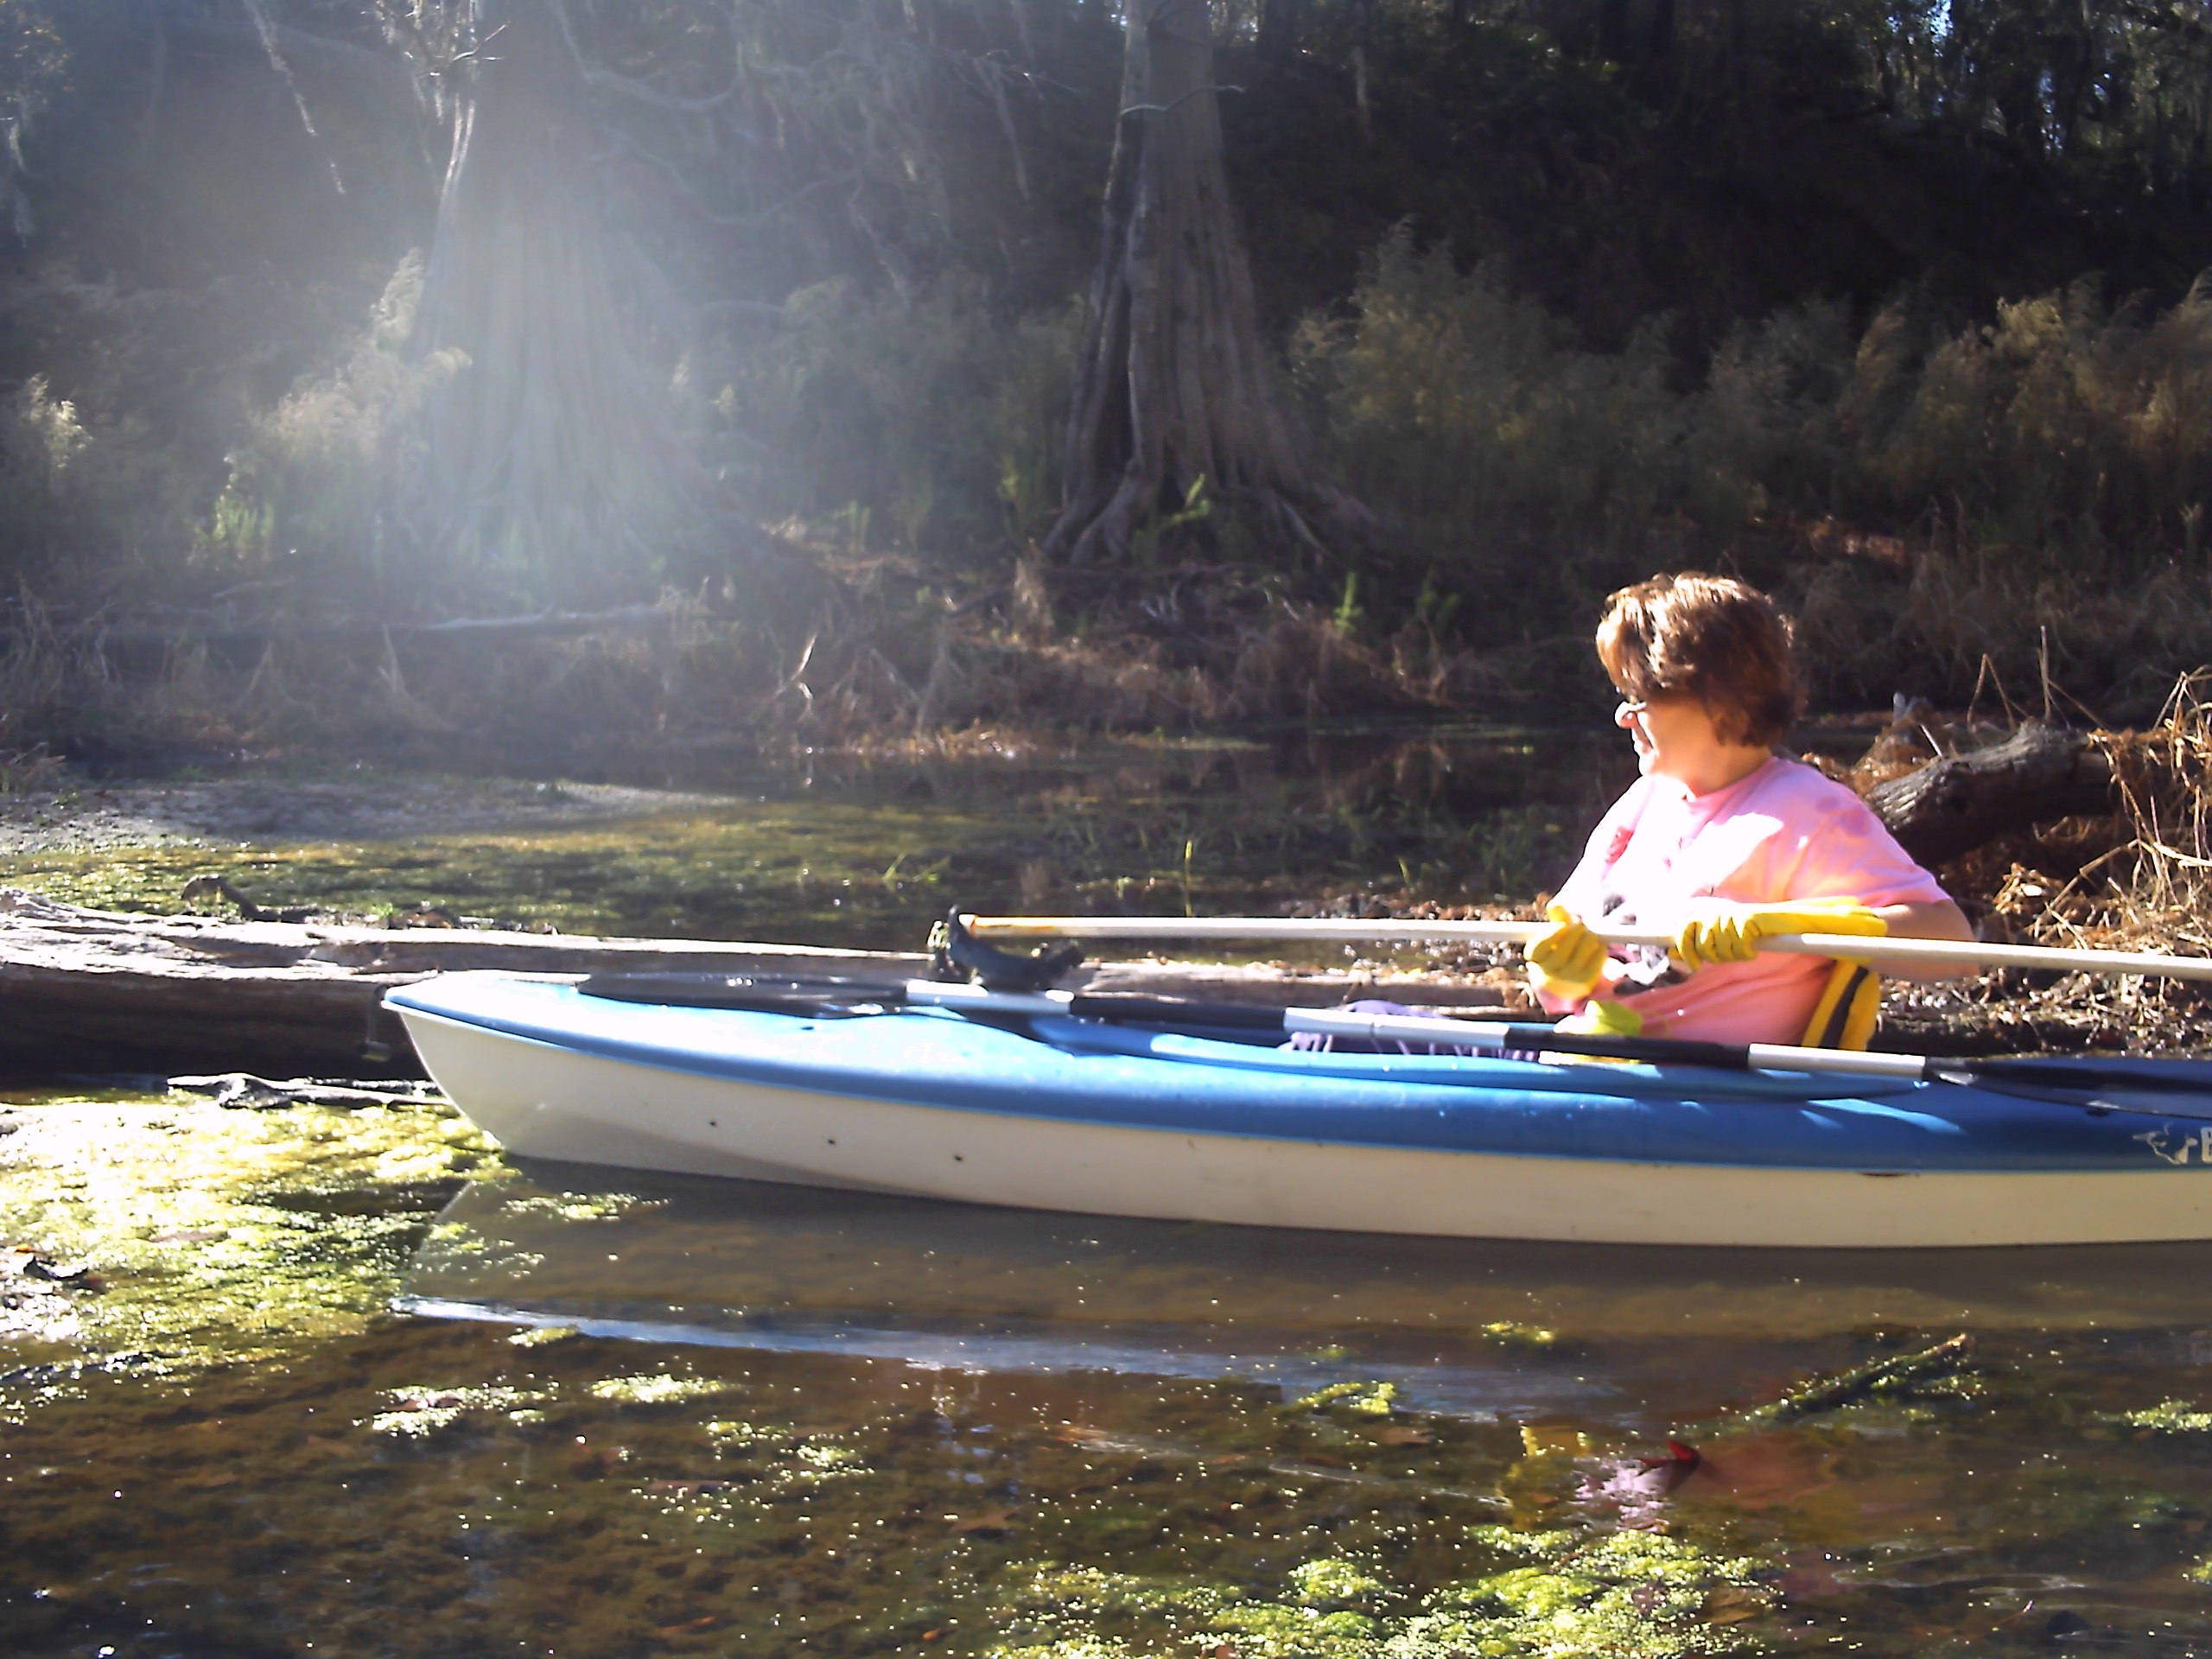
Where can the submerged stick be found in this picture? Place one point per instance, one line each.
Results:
(1876, 1376)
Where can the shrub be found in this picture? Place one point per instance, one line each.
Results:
(308, 492)
(1467, 411)
(935, 415)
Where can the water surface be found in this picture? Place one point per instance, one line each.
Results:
(843, 852)
(633, 1415)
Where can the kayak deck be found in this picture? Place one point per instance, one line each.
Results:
(1075, 1114)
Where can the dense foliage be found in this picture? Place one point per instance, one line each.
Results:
(308, 314)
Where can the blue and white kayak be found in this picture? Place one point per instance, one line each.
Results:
(1067, 1114)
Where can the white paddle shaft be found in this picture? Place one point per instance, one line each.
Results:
(1858, 948)
(1492, 1035)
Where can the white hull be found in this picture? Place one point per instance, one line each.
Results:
(549, 1101)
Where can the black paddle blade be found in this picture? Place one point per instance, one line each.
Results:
(829, 997)
(2138, 1084)
(956, 954)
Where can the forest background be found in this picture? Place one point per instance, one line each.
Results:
(712, 362)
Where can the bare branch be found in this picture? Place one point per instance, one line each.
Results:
(1162, 109)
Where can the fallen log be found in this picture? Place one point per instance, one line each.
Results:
(1955, 803)
(91, 991)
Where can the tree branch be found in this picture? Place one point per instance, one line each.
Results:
(1162, 109)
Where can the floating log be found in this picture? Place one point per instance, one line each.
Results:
(1954, 805)
(92, 991)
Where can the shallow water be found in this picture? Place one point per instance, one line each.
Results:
(867, 854)
(632, 1415)
(659, 1417)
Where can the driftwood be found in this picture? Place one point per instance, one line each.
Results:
(94, 991)
(1954, 804)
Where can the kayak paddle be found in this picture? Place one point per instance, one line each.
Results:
(2064, 1082)
(1877, 950)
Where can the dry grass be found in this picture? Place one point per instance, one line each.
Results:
(2144, 877)
(2138, 880)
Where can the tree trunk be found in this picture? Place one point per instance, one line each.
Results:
(1175, 388)
(1278, 41)
(1613, 30)
(546, 459)
(1953, 806)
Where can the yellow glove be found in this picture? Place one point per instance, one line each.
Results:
(1733, 934)
(1598, 1019)
(1569, 960)
(1603, 1020)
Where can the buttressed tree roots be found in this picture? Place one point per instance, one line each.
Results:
(1174, 387)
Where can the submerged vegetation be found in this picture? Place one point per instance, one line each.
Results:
(404, 1486)
(838, 851)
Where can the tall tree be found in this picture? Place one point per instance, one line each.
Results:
(545, 458)
(1175, 388)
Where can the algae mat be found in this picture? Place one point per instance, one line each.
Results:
(713, 1421)
(864, 856)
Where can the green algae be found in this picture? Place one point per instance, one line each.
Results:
(963, 1520)
(1638, 1592)
(2168, 1417)
(419, 1412)
(216, 1235)
(1366, 1399)
(1518, 1543)
(1331, 1583)
(1571, 1593)
(1267, 1630)
(541, 1336)
(579, 1206)
(730, 1435)
(1507, 1333)
(1945, 1373)
(1094, 1591)
(869, 857)
(659, 1390)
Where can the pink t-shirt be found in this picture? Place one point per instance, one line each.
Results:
(1782, 831)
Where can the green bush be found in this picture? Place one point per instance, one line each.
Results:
(933, 416)
(84, 505)
(309, 489)
(2066, 433)
(1464, 409)
(2064, 429)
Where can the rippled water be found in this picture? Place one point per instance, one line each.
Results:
(632, 1415)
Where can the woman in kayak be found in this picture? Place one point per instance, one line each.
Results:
(1722, 841)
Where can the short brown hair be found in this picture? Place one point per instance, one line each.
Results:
(1711, 638)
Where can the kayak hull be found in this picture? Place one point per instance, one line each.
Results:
(752, 1112)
